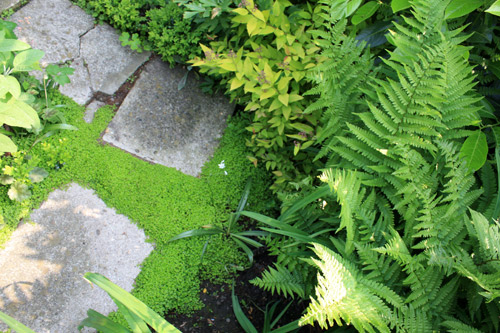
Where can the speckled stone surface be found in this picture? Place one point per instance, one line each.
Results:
(7, 4)
(161, 124)
(42, 265)
(108, 62)
(67, 34)
(54, 26)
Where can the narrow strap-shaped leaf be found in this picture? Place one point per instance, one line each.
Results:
(133, 304)
(242, 319)
(14, 324)
(247, 240)
(273, 222)
(278, 317)
(290, 327)
(101, 323)
(196, 232)
(136, 324)
(246, 249)
(318, 193)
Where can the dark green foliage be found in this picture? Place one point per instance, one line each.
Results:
(159, 25)
(397, 247)
(172, 36)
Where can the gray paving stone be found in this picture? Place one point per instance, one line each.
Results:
(42, 265)
(54, 26)
(79, 88)
(109, 63)
(179, 129)
(7, 4)
(91, 109)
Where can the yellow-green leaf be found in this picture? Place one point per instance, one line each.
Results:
(258, 14)
(252, 25)
(241, 11)
(286, 112)
(495, 8)
(284, 99)
(228, 65)
(269, 93)
(294, 98)
(6, 145)
(275, 104)
(235, 83)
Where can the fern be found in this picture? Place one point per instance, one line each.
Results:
(282, 281)
(339, 296)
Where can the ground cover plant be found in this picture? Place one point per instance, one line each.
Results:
(132, 186)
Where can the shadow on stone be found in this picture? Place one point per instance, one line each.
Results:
(42, 266)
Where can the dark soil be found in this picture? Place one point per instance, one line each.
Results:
(218, 317)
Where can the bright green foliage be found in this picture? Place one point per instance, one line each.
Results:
(15, 104)
(264, 66)
(19, 172)
(171, 275)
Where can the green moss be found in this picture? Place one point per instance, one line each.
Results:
(161, 200)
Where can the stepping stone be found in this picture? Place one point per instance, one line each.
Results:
(7, 4)
(161, 124)
(109, 63)
(54, 26)
(67, 34)
(42, 265)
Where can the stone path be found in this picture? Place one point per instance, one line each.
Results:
(41, 268)
(74, 232)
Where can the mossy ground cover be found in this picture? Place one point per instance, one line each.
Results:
(162, 201)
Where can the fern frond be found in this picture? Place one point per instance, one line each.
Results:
(282, 281)
(455, 326)
(339, 296)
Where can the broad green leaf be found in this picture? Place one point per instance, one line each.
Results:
(252, 26)
(27, 60)
(19, 192)
(352, 6)
(6, 180)
(14, 324)
(37, 175)
(9, 84)
(365, 12)
(10, 45)
(495, 8)
(458, 8)
(101, 323)
(135, 306)
(475, 150)
(18, 113)
(7, 145)
(398, 5)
